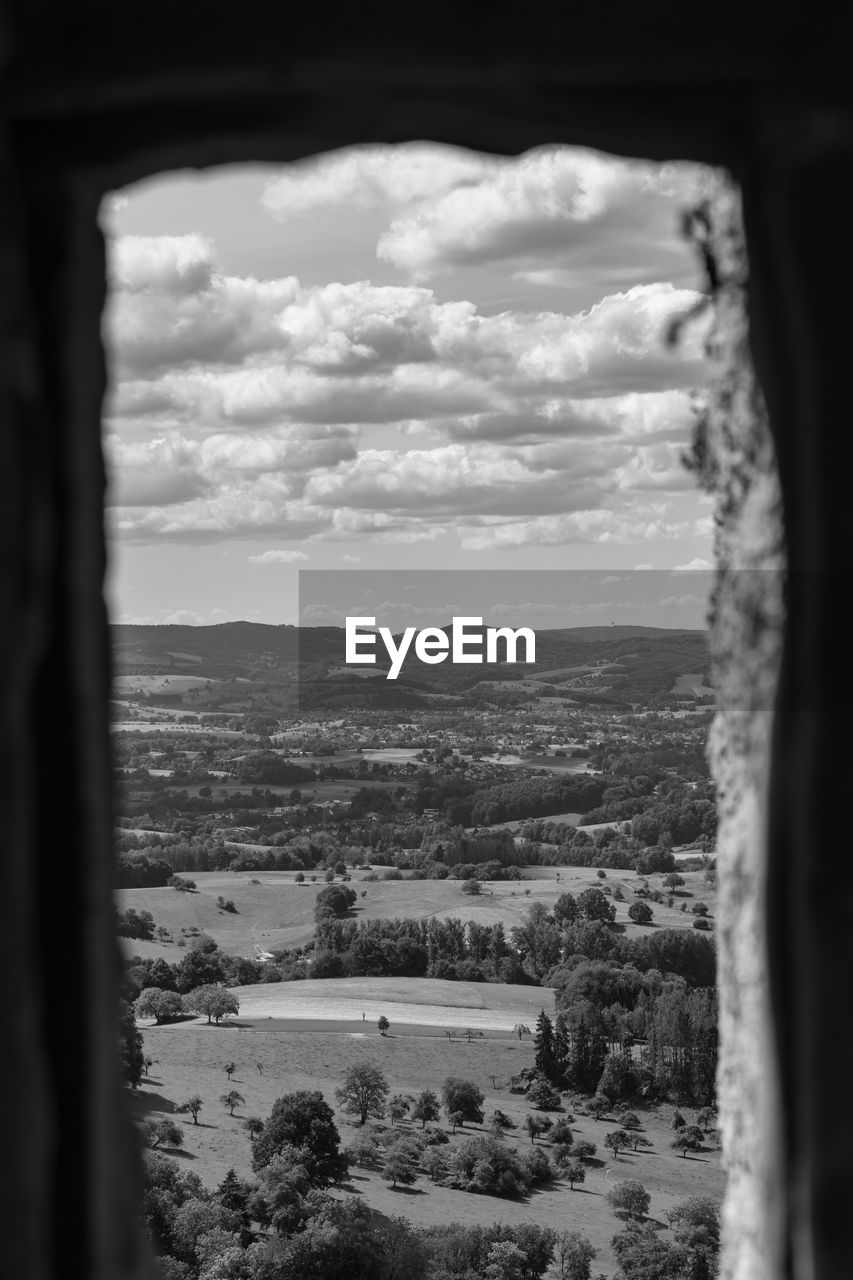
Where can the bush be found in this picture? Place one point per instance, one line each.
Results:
(542, 1095)
(487, 1166)
(537, 1166)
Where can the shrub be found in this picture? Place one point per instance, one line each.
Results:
(487, 1166)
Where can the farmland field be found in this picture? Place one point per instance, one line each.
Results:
(276, 1056)
(274, 910)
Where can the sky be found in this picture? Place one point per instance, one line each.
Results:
(409, 357)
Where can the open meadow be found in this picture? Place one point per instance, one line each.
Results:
(274, 911)
(274, 1056)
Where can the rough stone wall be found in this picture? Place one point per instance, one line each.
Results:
(735, 460)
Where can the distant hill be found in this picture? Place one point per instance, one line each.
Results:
(254, 666)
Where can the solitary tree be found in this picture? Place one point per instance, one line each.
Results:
(383, 1024)
(253, 1125)
(164, 1133)
(574, 1171)
(193, 1105)
(617, 1140)
(230, 1068)
(584, 1150)
(629, 1200)
(688, 1139)
(232, 1099)
(521, 1030)
(363, 1092)
(541, 1094)
(426, 1107)
(638, 1140)
(640, 913)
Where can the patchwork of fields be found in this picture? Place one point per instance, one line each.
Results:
(275, 911)
(275, 1056)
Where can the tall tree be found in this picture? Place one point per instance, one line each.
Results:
(363, 1091)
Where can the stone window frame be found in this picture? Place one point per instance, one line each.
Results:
(88, 108)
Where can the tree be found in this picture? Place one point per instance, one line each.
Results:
(521, 1030)
(193, 1105)
(686, 1141)
(629, 1199)
(673, 880)
(253, 1125)
(333, 901)
(435, 1164)
(565, 909)
(397, 1108)
(426, 1107)
(599, 1105)
(617, 1140)
(639, 1140)
(462, 1098)
(573, 1255)
(706, 1118)
(543, 1042)
(401, 1164)
(363, 1150)
(163, 1133)
(300, 877)
(542, 1095)
(131, 1053)
(305, 1120)
(383, 1024)
(500, 1123)
(213, 1000)
(594, 905)
(574, 1171)
(696, 1222)
(505, 1261)
(153, 1002)
(536, 1126)
(230, 1068)
(363, 1092)
(584, 1150)
(640, 913)
(561, 1134)
(232, 1099)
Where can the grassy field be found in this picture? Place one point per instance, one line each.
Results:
(276, 912)
(273, 910)
(275, 1057)
(432, 1002)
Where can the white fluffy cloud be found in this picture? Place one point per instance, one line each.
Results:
(371, 176)
(244, 408)
(278, 557)
(552, 214)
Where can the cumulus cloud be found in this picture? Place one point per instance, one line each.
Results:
(696, 564)
(245, 408)
(591, 214)
(278, 557)
(371, 176)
